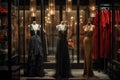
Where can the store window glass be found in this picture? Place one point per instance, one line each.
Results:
(15, 63)
(9, 56)
(117, 34)
(3, 33)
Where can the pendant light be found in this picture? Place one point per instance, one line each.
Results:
(68, 5)
(33, 8)
(52, 7)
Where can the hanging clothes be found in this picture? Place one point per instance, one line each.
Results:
(105, 34)
(95, 38)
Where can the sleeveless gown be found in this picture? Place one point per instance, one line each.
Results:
(63, 68)
(35, 54)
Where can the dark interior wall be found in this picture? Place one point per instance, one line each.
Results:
(107, 1)
(57, 2)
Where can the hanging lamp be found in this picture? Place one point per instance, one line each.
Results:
(33, 8)
(68, 5)
(52, 7)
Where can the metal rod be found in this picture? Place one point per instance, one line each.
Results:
(19, 52)
(24, 38)
(99, 36)
(113, 37)
(77, 32)
(9, 40)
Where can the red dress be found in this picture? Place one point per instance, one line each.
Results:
(105, 34)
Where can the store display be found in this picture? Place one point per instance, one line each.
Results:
(105, 34)
(63, 67)
(87, 44)
(3, 36)
(35, 53)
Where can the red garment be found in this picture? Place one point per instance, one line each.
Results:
(105, 34)
(118, 16)
(95, 38)
(2, 10)
(116, 19)
(102, 27)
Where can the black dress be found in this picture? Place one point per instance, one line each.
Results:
(63, 69)
(35, 55)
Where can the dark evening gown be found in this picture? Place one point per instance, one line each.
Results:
(63, 68)
(35, 55)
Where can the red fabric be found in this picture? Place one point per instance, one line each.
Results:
(2, 10)
(105, 34)
(95, 38)
(1, 37)
(70, 43)
(118, 16)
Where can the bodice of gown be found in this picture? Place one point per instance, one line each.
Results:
(62, 33)
(88, 29)
(88, 33)
(33, 32)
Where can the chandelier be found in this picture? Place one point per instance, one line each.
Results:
(52, 7)
(68, 5)
(33, 8)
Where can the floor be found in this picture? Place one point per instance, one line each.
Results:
(77, 73)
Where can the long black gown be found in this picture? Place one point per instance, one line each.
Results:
(63, 68)
(35, 55)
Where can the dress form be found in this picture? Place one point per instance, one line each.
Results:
(35, 52)
(63, 68)
(87, 44)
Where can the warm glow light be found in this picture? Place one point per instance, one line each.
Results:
(51, 12)
(72, 17)
(68, 5)
(48, 18)
(92, 8)
(52, 7)
(47, 9)
(33, 14)
(81, 16)
(92, 14)
(48, 14)
(81, 10)
(69, 9)
(31, 9)
(51, 4)
(69, 0)
(49, 22)
(22, 17)
(75, 23)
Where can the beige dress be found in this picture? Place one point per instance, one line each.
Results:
(87, 44)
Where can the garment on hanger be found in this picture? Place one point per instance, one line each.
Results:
(105, 34)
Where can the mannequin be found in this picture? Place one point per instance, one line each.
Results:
(87, 45)
(63, 69)
(35, 53)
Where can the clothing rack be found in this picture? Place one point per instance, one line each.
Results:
(111, 7)
(104, 61)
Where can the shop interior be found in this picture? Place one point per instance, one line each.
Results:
(16, 15)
